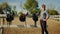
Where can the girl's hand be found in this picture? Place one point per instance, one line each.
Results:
(44, 19)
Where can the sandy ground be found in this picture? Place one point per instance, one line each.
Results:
(53, 27)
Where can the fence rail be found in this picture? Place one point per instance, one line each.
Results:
(55, 17)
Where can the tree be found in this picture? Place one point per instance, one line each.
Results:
(1, 12)
(14, 10)
(35, 11)
(20, 12)
(30, 5)
(5, 7)
(53, 12)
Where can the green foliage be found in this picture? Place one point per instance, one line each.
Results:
(14, 13)
(14, 7)
(20, 12)
(5, 6)
(14, 10)
(30, 4)
(1, 12)
(35, 11)
(52, 12)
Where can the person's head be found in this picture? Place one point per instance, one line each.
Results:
(43, 7)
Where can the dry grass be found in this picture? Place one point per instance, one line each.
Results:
(22, 31)
(53, 27)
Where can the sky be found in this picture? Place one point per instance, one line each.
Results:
(54, 3)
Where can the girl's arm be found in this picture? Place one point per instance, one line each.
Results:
(47, 17)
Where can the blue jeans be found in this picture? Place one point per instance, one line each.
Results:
(43, 26)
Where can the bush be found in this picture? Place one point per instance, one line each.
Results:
(53, 12)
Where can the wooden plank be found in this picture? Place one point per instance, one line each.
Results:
(3, 16)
